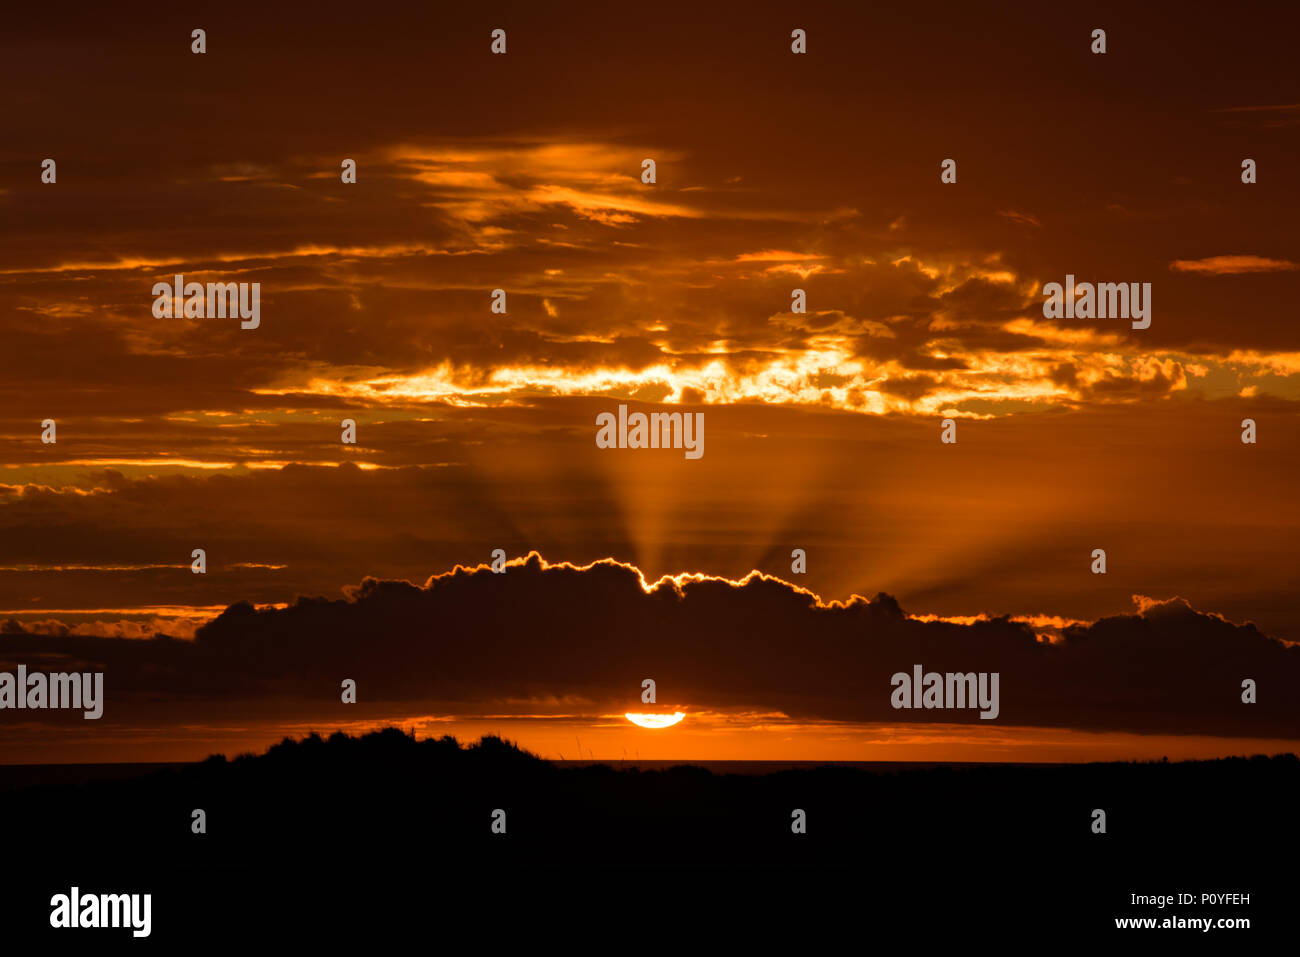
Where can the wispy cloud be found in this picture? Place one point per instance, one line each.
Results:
(1232, 265)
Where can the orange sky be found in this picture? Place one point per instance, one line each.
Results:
(774, 172)
(709, 737)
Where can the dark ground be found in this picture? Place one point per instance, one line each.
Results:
(365, 834)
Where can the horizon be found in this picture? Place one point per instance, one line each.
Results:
(621, 763)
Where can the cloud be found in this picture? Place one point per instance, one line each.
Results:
(1024, 218)
(1269, 108)
(594, 632)
(1232, 265)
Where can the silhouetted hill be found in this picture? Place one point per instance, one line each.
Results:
(304, 796)
(1017, 835)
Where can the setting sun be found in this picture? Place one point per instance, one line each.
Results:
(655, 720)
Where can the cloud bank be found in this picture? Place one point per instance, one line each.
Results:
(471, 638)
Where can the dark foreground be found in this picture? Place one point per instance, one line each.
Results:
(367, 835)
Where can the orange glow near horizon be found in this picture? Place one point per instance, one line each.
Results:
(711, 736)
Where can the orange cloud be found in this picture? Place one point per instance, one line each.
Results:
(1232, 265)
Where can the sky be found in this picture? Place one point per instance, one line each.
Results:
(475, 430)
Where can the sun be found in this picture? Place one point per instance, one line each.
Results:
(655, 720)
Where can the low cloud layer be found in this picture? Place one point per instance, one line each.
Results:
(474, 640)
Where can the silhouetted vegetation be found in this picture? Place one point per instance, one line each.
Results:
(385, 814)
(387, 793)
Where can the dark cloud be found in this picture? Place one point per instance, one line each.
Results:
(535, 631)
(912, 387)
